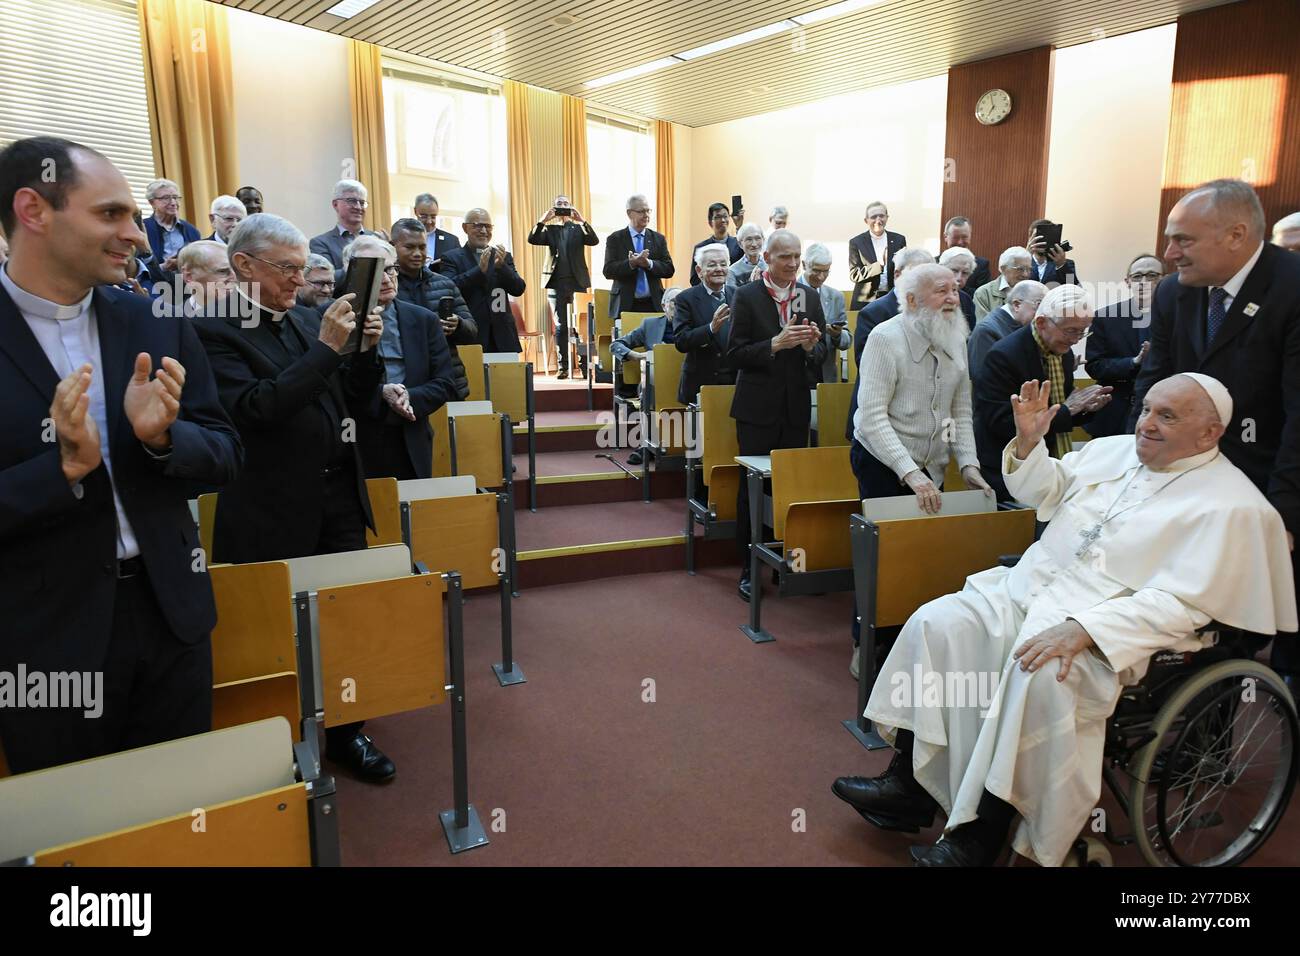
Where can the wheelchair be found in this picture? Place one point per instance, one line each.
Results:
(1201, 756)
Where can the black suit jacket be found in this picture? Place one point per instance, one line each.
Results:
(981, 275)
(444, 242)
(58, 548)
(623, 277)
(573, 239)
(429, 384)
(884, 308)
(862, 253)
(1118, 332)
(1010, 363)
(490, 308)
(286, 413)
(1256, 357)
(1053, 276)
(706, 351)
(772, 388)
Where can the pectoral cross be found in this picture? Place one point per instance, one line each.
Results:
(1090, 537)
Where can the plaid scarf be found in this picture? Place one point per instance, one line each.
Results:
(1060, 444)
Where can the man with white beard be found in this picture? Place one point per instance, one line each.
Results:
(914, 402)
(1149, 540)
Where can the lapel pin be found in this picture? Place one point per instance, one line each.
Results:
(1251, 309)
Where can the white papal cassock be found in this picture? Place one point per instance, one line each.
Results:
(1185, 545)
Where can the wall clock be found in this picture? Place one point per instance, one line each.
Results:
(993, 107)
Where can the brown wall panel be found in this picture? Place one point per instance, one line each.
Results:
(1236, 103)
(997, 175)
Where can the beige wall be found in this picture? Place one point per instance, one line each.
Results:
(683, 229)
(1110, 119)
(292, 114)
(825, 161)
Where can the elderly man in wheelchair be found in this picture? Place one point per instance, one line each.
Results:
(1151, 537)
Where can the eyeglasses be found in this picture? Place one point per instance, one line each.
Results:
(354, 201)
(1146, 276)
(645, 210)
(1074, 335)
(285, 269)
(167, 198)
(229, 219)
(878, 217)
(390, 270)
(323, 285)
(485, 226)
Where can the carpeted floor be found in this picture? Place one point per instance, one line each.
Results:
(740, 744)
(563, 525)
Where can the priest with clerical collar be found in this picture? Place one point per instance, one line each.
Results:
(283, 377)
(1150, 539)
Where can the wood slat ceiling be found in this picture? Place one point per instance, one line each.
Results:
(896, 42)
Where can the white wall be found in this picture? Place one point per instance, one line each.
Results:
(292, 115)
(1110, 120)
(825, 161)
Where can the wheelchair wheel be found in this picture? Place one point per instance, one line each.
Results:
(1088, 851)
(1211, 786)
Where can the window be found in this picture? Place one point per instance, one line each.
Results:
(446, 135)
(620, 162)
(74, 69)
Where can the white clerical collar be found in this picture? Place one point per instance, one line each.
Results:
(258, 307)
(1188, 463)
(34, 305)
(1233, 285)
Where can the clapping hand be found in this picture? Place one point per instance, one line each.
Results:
(720, 315)
(1088, 399)
(151, 405)
(796, 334)
(74, 426)
(1142, 352)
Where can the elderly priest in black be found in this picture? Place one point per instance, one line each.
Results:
(283, 378)
(110, 423)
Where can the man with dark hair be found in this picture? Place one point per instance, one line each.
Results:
(419, 284)
(1051, 267)
(1120, 340)
(251, 197)
(719, 220)
(437, 242)
(567, 238)
(111, 423)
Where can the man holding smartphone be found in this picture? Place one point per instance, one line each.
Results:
(816, 270)
(563, 230)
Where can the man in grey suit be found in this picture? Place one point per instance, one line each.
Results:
(350, 211)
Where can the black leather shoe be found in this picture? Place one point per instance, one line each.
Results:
(743, 589)
(362, 757)
(634, 458)
(964, 846)
(563, 373)
(890, 801)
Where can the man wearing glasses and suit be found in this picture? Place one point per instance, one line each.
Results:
(563, 230)
(636, 262)
(350, 212)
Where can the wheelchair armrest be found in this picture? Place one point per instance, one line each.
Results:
(1009, 560)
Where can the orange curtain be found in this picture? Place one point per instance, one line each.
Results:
(520, 164)
(369, 145)
(665, 179)
(577, 183)
(191, 104)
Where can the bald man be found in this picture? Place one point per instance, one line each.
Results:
(486, 276)
(1234, 312)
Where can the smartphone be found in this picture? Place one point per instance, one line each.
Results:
(564, 210)
(364, 277)
(446, 307)
(1051, 234)
(736, 205)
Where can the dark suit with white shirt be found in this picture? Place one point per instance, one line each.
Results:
(705, 350)
(862, 255)
(1118, 332)
(624, 294)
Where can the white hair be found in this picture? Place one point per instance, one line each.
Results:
(226, 202)
(956, 255)
(1014, 255)
(779, 211)
(346, 186)
(157, 186)
(633, 198)
(668, 305)
(915, 275)
(1028, 290)
(1232, 199)
(749, 229)
(1286, 224)
(717, 247)
(817, 255)
(910, 256)
(1063, 297)
(260, 231)
(317, 261)
(363, 244)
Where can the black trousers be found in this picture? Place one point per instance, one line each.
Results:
(875, 480)
(760, 440)
(1285, 656)
(384, 452)
(562, 290)
(152, 688)
(343, 528)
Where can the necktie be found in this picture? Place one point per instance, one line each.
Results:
(1214, 319)
(642, 282)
